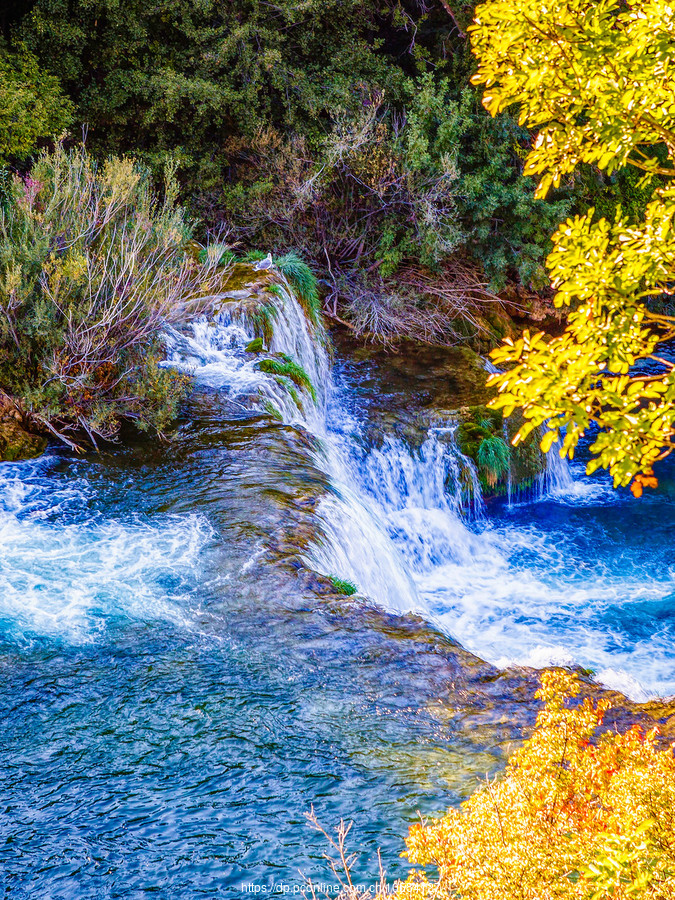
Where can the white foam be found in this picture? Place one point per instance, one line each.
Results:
(408, 528)
(620, 680)
(213, 351)
(513, 594)
(70, 580)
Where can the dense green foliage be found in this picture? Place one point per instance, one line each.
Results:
(32, 105)
(91, 267)
(344, 130)
(598, 80)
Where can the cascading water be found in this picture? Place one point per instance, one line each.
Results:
(383, 524)
(174, 690)
(352, 539)
(391, 512)
(407, 526)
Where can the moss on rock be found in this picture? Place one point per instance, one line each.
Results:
(525, 462)
(17, 443)
(281, 364)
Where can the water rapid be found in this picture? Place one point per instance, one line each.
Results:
(539, 581)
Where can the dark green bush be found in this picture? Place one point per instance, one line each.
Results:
(32, 105)
(344, 131)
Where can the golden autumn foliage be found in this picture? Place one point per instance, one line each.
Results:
(576, 816)
(595, 81)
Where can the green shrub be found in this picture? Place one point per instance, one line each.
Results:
(253, 256)
(348, 588)
(217, 254)
(194, 81)
(92, 265)
(32, 106)
(494, 458)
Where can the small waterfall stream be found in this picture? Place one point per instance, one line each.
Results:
(407, 525)
(392, 512)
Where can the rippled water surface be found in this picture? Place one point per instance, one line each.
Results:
(180, 682)
(172, 704)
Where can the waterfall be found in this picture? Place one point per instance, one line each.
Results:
(214, 352)
(397, 514)
(509, 475)
(557, 477)
(403, 521)
(405, 524)
(555, 480)
(392, 513)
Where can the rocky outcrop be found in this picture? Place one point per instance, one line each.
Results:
(15, 441)
(485, 437)
(406, 390)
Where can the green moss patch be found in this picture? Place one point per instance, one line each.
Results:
(348, 588)
(484, 438)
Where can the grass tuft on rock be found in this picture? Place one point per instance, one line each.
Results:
(304, 283)
(494, 459)
(283, 365)
(348, 588)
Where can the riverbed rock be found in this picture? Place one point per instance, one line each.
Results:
(526, 462)
(404, 391)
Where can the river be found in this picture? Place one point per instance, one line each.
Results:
(180, 682)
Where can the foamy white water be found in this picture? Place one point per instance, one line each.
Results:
(68, 580)
(532, 585)
(408, 528)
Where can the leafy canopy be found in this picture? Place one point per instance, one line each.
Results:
(343, 129)
(597, 79)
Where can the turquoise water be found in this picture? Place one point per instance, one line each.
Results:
(171, 708)
(180, 684)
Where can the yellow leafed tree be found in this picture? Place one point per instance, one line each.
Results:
(595, 79)
(576, 816)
